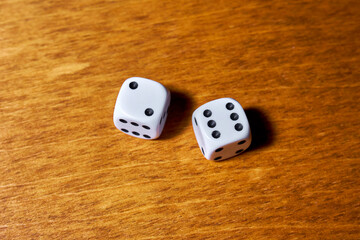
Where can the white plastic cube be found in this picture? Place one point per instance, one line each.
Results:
(141, 108)
(221, 129)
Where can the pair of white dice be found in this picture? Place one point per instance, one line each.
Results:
(221, 127)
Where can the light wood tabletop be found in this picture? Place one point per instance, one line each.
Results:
(66, 172)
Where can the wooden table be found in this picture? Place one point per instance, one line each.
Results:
(67, 173)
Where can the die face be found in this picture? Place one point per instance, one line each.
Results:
(141, 108)
(142, 99)
(135, 128)
(231, 150)
(221, 123)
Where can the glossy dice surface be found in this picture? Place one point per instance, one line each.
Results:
(141, 108)
(221, 129)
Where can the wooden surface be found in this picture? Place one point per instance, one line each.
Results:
(67, 173)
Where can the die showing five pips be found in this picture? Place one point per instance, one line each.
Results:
(221, 127)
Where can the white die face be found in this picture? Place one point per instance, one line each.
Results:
(221, 129)
(141, 108)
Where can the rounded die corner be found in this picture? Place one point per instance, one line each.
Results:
(134, 78)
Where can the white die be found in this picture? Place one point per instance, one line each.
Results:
(141, 108)
(221, 129)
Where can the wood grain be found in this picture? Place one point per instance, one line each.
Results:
(67, 173)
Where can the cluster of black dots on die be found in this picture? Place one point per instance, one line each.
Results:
(234, 116)
(212, 124)
(136, 125)
(237, 152)
(148, 112)
(216, 134)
